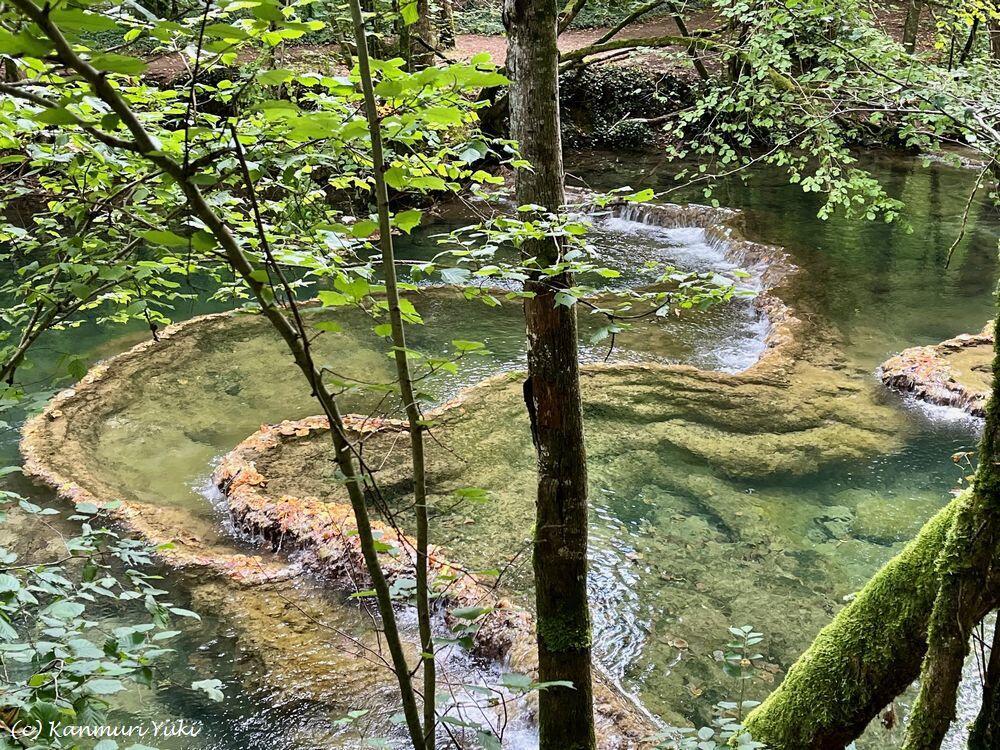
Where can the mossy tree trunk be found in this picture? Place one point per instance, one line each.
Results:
(552, 393)
(985, 732)
(423, 38)
(868, 655)
(919, 611)
(970, 42)
(968, 587)
(446, 24)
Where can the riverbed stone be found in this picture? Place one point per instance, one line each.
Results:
(835, 522)
(891, 519)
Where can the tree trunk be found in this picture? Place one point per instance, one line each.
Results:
(868, 655)
(929, 598)
(423, 39)
(970, 42)
(552, 393)
(692, 49)
(995, 39)
(911, 26)
(414, 417)
(446, 24)
(985, 732)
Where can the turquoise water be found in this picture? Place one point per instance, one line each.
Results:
(883, 287)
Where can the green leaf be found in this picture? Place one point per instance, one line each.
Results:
(23, 43)
(516, 681)
(409, 11)
(212, 688)
(456, 276)
(55, 116)
(329, 326)
(104, 687)
(114, 63)
(65, 610)
(470, 613)
(7, 632)
(363, 229)
(407, 220)
(165, 237)
(275, 77)
(74, 20)
(487, 740)
(641, 197)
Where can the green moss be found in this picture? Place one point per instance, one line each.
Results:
(564, 632)
(869, 653)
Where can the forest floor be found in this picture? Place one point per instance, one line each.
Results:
(890, 17)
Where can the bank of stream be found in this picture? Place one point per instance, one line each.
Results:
(683, 545)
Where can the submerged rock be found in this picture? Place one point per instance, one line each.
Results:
(834, 522)
(888, 520)
(957, 372)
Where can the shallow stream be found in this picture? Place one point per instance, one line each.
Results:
(669, 571)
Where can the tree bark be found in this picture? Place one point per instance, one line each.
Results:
(569, 14)
(970, 42)
(985, 732)
(552, 393)
(446, 24)
(423, 38)
(994, 25)
(911, 26)
(692, 49)
(413, 416)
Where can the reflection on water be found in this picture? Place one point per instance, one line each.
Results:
(678, 551)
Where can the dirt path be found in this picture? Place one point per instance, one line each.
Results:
(325, 56)
(467, 45)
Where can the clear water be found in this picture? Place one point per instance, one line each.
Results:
(663, 570)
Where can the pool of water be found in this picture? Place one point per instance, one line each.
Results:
(665, 568)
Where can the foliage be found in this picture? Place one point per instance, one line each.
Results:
(614, 106)
(283, 160)
(475, 256)
(237, 178)
(63, 656)
(802, 81)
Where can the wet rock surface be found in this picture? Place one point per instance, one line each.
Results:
(956, 372)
